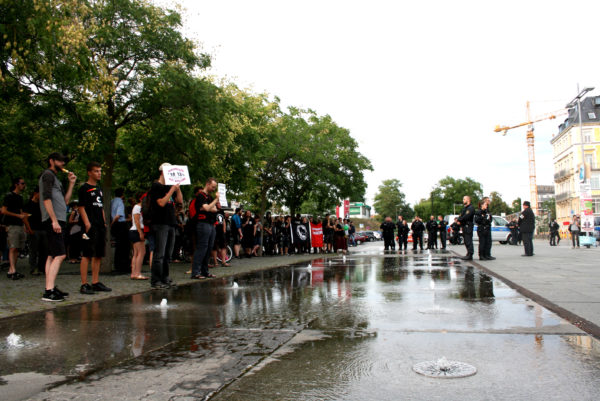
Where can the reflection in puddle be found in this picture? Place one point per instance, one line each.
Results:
(378, 315)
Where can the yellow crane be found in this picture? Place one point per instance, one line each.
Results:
(530, 148)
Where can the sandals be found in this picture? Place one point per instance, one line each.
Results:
(200, 277)
(225, 264)
(140, 277)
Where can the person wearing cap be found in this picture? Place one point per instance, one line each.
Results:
(53, 205)
(162, 200)
(527, 227)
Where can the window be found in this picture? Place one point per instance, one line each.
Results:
(596, 204)
(587, 135)
(591, 115)
(595, 181)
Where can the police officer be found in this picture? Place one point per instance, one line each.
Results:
(403, 231)
(387, 228)
(465, 220)
(483, 218)
(399, 228)
(442, 227)
(455, 232)
(554, 233)
(432, 229)
(417, 228)
(527, 226)
(514, 231)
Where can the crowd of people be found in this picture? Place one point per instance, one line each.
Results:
(153, 227)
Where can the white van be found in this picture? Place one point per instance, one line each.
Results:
(500, 231)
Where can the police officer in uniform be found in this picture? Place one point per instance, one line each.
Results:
(455, 240)
(514, 231)
(483, 218)
(432, 228)
(527, 226)
(387, 228)
(443, 228)
(465, 220)
(417, 228)
(403, 231)
(399, 228)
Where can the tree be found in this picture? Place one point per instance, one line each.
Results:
(449, 192)
(391, 201)
(550, 206)
(516, 205)
(497, 205)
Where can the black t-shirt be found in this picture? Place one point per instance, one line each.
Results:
(161, 215)
(201, 214)
(35, 220)
(92, 200)
(219, 219)
(14, 204)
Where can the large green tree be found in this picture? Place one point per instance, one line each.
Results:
(391, 201)
(497, 205)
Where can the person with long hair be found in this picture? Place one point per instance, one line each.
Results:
(137, 238)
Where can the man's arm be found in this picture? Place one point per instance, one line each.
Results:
(72, 179)
(165, 199)
(84, 217)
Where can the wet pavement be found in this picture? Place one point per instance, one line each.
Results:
(340, 329)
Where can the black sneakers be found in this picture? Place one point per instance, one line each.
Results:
(99, 287)
(87, 289)
(159, 285)
(64, 294)
(52, 296)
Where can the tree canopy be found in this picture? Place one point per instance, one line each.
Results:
(391, 201)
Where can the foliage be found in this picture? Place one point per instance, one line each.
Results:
(550, 207)
(447, 196)
(391, 201)
(497, 205)
(516, 205)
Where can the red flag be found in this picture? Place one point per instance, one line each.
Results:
(316, 235)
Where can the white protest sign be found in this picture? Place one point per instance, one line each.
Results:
(222, 189)
(176, 175)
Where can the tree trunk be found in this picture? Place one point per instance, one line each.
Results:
(263, 209)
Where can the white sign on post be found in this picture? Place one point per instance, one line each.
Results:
(222, 189)
(177, 175)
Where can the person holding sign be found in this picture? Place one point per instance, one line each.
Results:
(162, 199)
(206, 210)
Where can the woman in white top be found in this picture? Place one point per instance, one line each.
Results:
(136, 236)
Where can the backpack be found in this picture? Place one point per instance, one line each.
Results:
(192, 211)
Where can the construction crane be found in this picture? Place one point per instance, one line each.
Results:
(530, 148)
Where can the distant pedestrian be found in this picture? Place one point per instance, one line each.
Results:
(554, 236)
(403, 231)
(575, 230)
(387, 229)
(527, 227)
(417, 227)
(38, 244)
(432, 229)
(137, 238)
(206, 214)
(119, 230)
(442, 227)
(483, 218)
(53, 205)
(17, 225)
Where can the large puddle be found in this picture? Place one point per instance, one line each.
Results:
(348, 330)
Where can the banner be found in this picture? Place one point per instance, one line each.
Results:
(299, 232)
(222, 190)
(316, 235)
(346, 208)
(587, 214)
(176, 175)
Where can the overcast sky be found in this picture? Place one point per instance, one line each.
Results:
(422, 84)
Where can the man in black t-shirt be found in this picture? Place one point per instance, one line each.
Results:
(91, 210)
(38, 243)
(163, 226)
(17, 225)
(206, 209)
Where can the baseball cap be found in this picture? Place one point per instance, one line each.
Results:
(164, 165)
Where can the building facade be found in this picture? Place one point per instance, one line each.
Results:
(359, 210)
(545, 193)
(570, 146)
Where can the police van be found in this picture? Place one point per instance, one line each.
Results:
(500, 232)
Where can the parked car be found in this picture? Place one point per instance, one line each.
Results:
(360, 237)
(500, 231)
(370, 236)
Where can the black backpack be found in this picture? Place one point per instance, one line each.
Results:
(147, 209)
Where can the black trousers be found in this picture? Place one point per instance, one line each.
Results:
(388, 241)
(553, 236)
(527, 243)
(469, 243)
(485, 244)
(418, 238)
(120, 231)
(431, 239)
(402, 241)
(443, 239)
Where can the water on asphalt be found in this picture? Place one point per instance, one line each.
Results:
(335, 330)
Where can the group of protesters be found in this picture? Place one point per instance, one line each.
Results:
(153, 227)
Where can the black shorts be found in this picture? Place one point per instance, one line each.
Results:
(56, 241)
(219, 240)
(94, 247)
(134, 236)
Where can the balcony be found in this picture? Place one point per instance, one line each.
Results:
(561, 174)
(562, 196)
